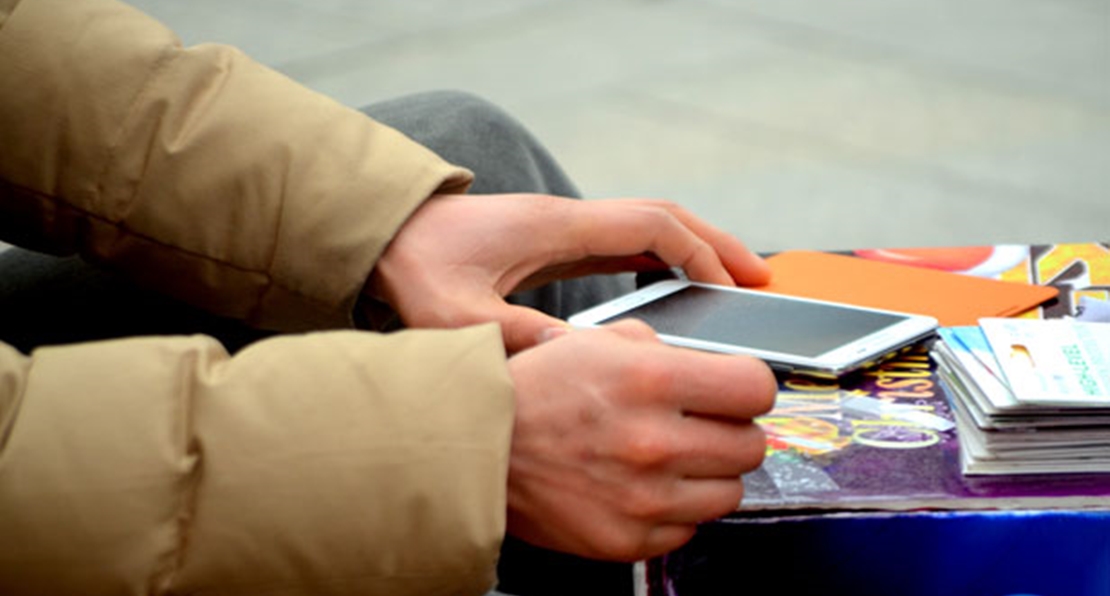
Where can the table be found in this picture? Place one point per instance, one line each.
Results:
(848, 506)
(860, 508)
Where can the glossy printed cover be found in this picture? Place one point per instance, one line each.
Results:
(822, 455)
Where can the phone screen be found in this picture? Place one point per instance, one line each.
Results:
(763, 322)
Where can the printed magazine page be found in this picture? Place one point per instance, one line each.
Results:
(829, 449)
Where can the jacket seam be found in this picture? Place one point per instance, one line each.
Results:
(262, 295)
(62, 204)
(166, 57)
(9, 418)
(163, 580)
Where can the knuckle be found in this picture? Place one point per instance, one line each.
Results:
(645, 505)
(638, 380)
(723, 500)
(628, 545)
(699, 251)
(646, 451)
(762, 385)
(664, 204)
(451, 318)
(660, 216)
(633, 328)
(638, 326)
(753, 449)
(650, 378)
(677, 537)
(728, 502)
(639, 541)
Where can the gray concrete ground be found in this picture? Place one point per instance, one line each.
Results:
(793, 123)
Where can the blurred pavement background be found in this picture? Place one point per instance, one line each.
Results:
(793, 123)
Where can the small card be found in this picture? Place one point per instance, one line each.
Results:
(1058, 362)
(970, 347)
(879, 409)
(1093, 310)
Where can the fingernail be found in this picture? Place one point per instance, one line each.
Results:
(551, 333)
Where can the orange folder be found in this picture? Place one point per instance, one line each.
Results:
(953, 299)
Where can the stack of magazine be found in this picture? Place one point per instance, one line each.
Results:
(1029, 396)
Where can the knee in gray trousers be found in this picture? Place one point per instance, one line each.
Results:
(469, 131)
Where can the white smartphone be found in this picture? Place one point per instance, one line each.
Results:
(791, 334)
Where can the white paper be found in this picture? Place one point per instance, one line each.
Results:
(1053, 362)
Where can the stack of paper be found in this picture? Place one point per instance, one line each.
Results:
(1029, 396)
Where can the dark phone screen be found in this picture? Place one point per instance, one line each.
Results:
(762, 322)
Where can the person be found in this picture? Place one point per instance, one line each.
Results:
(318, 457)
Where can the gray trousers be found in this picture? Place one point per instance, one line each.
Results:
(50, 300)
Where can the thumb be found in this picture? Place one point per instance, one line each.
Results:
(523, 327)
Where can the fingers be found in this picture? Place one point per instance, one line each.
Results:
(729, 386)
(707, 448)
(643, 525)
(726, 386)
(692, 447)
(620, 447)
(745, 267)
(664, 539)
(632, 329)
(673, 234)
(667, 518)
(613, 228)
(696, 501)
(523, 327)
(437, 273)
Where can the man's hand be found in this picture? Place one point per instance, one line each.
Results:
(458, 256)
(622, 445)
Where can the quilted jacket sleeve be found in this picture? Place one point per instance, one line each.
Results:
(196, 170)
(331, 463)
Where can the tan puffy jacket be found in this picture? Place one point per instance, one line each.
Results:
(339, 462)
